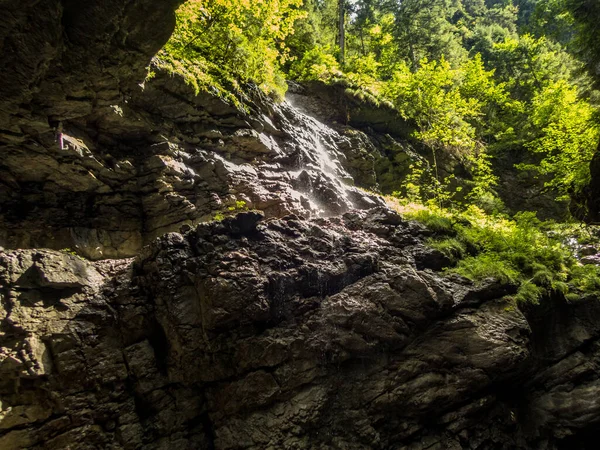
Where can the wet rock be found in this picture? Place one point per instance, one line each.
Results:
(590, 260)
(243, 223)
(589, 208)
(106, 204)
(587, 250)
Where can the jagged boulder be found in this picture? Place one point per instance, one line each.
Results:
(255, 333)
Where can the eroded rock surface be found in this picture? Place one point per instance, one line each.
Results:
(316, 322)
(257, 334)
(168, 158)
(100, 162)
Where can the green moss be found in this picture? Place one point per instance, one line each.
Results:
(238, 206)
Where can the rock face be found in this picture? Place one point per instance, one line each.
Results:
(317, 320)
(65, 62)
(167, 158)
(287, 333)
(98, 162)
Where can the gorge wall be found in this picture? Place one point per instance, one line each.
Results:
(316, 320)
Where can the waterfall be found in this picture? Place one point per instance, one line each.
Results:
(319, 174)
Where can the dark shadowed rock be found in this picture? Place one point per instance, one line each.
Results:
(591, 195)
(253, 334)
(243, 223)
(317, 320)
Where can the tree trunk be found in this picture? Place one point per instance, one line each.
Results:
(342, 30)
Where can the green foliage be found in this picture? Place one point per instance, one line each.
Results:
(473, 76)
(363, 71)
(529, 293)
(567, 140)
(522, 251)
(416, 187)
(586, 278)
(317, 27)
(219, 43)
(451, 248)
(238, 206)
(451, 107)
(436, 219)
(552, 18)
(316, 64)
(481, 187)
(487, 266)
(431, 97)
(586, 17)
(478, 79)
(526, 64)
(426, 30)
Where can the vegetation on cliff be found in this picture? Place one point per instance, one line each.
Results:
(219, 44)
(479, 79)
(537, 257)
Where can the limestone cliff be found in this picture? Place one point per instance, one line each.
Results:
(317, 320)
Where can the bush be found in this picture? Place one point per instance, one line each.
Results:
(317, 64)
(522, 250)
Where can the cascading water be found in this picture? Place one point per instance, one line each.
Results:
(292, 163)
(319, 175)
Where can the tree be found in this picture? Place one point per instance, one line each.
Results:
(568, 137)
(342, 30)
(586, 14)
(219, 43)
(424, 29)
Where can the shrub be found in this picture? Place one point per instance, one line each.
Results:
(521, 250)
(316, 64)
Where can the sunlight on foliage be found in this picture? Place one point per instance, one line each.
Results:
(473, 77)
(568, 138)
(219, 43)
(316, 64)
(523, 251)
(479, 84)
(432, 98)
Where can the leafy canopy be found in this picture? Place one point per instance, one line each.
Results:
(219, 43)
